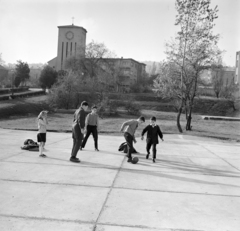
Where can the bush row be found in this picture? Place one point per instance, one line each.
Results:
(10, 90)
(20, 95)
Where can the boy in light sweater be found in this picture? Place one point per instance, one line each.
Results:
(92, 126)
(129, 128)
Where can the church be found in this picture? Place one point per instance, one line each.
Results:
(72, 42)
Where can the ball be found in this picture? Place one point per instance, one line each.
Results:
(135, 160)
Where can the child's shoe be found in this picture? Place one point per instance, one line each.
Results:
(147, 155)
(42, 155)
(154, 161)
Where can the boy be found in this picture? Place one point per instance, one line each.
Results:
(153, 131)
(92, 126)
(78, 130)
(131, 127)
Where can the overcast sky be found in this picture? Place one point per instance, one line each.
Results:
(135, 29)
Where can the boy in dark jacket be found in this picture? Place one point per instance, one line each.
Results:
(78, 126)
(153, 131)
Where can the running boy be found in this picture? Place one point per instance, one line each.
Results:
(131, 127)
(92, 126)
(153, 131)
(42, 131)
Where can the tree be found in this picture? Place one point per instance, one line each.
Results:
(193, 50)
(64, 92)
(22, 73)
(217, 79)
(96, 66)
(48, 77)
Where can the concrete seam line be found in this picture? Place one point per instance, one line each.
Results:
(124, 188)
(109, 192)
(91, 223)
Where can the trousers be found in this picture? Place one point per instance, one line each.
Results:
(129, 140)
(77, 139)
(154, 148)
(91, 130)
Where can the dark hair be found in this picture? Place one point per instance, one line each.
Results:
(153, 118)
(84, 103)
(142, 118)
(94, 106)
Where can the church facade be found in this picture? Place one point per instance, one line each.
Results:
(72, 42)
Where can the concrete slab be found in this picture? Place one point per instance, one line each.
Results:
(51, 201)
(194, 185)
(173, 211)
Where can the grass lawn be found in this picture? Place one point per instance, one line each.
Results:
(61, 122)
(21, 114)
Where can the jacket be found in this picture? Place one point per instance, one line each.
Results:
(79, 118)
(152, 133)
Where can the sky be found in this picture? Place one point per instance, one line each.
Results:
(135, 29)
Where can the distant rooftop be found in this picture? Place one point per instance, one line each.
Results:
(72, 26)
(125, 59)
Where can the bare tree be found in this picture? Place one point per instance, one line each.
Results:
(193, 49)
(217, 79)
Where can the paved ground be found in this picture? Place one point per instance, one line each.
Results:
(195, 185)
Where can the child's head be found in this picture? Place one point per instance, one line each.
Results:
(141, 119)
(42, 114)
(84, 105)
(94, 109)
(153, 120)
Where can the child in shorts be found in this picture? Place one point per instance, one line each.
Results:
(42, 131)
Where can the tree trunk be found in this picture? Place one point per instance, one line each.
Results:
(189, 119)
(178, 119)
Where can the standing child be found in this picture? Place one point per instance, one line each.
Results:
(92, 126)
(42, 130)
(153, 131)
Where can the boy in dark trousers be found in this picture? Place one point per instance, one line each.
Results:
(129, 128)
(153, 131)
(92, 126)
(78, 126)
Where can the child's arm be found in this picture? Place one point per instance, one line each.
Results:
(98, 123)
(124, 125)
(160, 133)
(143, 132)
(41, 121)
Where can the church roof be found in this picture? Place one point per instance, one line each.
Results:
(72, 26)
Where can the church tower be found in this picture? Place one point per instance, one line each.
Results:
(71, 42)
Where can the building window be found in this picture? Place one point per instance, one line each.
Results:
(237, 56)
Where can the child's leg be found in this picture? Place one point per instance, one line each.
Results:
(95, 137)
(154, 150)
(148, 147)
(89, 131)
(40, 148)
